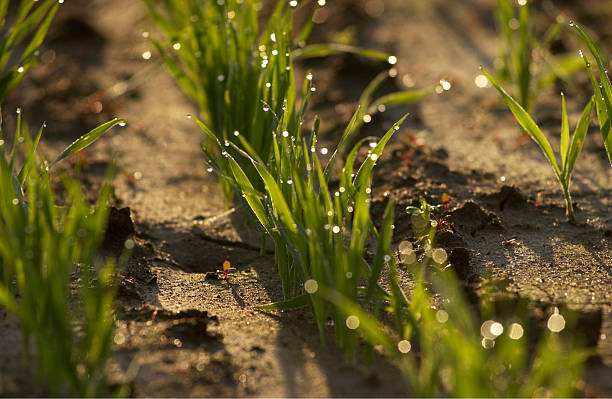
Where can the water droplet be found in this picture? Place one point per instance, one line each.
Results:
(236, 133)
(311, 286)
(387, 258)
(367, 118)
(481, 81)
(382, 108)
(491, 329)
(15, 201)
(487, 343)
(368, 190)
(20, 69)
(556, 322)
(392, 60)
(321, 3)
(274, 52)
(145, 35)
(439, 255)
(285, 133)
(293, 3)
(18, 111)
(176, 46)
(324, 151)
(441, 316)
(348, 275)
(287, 68)
(221, 78)
(373, 157)
(522, 2)
(122, 124)
(227, 143)
(309, 76)
(313, 89)
(515, 331)
(404, 346)
(209, 170)
(352, 322)
(342, 189)
(189, 116)
(289, 182)
(146, 55)
(445, 84)
(580, 53)
(273, 37)
(405, 247)
(350, 209)
(268, 85)
(336, 229)
(266, 108)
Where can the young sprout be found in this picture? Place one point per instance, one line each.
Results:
(569, 153)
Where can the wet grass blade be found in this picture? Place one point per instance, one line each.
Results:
(603, 91)
(578, 139)
(87, 139)
(525, 120)
(323, 50)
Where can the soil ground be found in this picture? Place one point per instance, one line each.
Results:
(462, 142)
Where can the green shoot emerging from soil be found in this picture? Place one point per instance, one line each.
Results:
(29, 27)
(41, 245)
(602, 89)
(569, 152)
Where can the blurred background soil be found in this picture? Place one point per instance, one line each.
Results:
(463, 143)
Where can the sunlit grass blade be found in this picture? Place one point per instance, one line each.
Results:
(326, 49)
(603, 91)
(578, 139)
(297, 302)
(87, 139)
(525, 120)
(565, 134)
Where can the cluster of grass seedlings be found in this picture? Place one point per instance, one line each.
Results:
(526, 60)
(233, 70)
(319, 235)
(602, 89)
(569, 152)
(29, 27)
(41, 244)
(440, 345)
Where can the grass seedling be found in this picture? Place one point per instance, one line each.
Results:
(240, 76)
(441, 346)
(602, 89)
(525, 59)
(29, 27)
(41, 245)
(569, 152)
(319, 234)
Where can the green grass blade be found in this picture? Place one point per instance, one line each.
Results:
(581, 130)
(87, 139)
(527, 123)
(369, 327)
(347, 133)
(399, 98)
(603, 95)
(297, 302)
(382, 250)
(365, 171)
(323, 50)
(565, 134)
